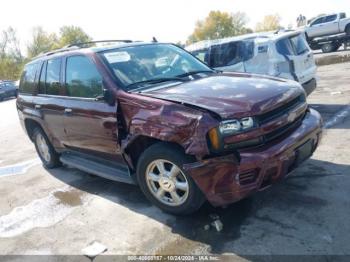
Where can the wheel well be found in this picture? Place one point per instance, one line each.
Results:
(347, 27)
(140, 144)
(30, 125)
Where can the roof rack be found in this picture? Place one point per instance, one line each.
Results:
(57, 51)
(80, 45)
(99, 41)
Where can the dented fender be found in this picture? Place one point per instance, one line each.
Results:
(166, 121)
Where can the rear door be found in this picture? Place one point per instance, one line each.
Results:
(303, 60)
(330, 25)
(90, 123)
(49, 101)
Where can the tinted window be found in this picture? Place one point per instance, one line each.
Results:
(342, 15)
(330, 18)
(284, 47)
(318, 21)
(53, 76)
(27, 84)
(299, 44)
(42, 88)
(82, 78)
(231, 53)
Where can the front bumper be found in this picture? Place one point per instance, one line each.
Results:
(310, 86)
(226, 179)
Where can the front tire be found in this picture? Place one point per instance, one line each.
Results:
(165, 183)
(45, 150)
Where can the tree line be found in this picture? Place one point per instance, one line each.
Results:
(216, 25)
(12, 59)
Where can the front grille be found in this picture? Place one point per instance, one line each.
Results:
(266, 117)
(248, 178)
(284, 129)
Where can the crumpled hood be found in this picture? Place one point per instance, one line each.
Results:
(231, 94)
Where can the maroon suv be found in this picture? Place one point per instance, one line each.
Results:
(152, 114)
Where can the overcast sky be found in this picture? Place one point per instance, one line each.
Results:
(168, 20)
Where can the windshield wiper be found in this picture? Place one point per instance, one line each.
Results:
(196, 72)
(156, 81)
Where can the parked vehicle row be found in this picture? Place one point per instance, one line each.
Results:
(152, 114)
(8, 89)
(279, 54)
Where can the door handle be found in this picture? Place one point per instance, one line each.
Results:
(67, 110)
(37, 106)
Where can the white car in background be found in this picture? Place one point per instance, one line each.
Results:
(279, 54)
(328, 25)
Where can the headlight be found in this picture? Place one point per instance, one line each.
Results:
(229, 127)
(236, 125)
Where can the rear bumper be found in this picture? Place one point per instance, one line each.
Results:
(310, 86)
(226, 180)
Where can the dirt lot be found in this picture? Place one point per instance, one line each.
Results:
(61, 211)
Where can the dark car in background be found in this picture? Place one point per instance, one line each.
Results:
(8, 89)
(152, 114)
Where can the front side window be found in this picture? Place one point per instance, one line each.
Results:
(27, 84)
(318, 21)
(135, 64)
(53, 76)
(82, 78)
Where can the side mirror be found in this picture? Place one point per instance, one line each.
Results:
(109, 97)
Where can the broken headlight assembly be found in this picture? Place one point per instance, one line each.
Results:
(228, 128)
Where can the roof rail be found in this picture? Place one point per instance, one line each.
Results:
(63, 49)
(99, 41)
(80, 45)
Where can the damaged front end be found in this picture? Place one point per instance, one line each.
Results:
(227, 179)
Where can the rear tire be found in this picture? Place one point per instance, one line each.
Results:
(45, 150)
(328, 48)
(165, 183)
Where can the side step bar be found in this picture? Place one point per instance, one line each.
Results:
(111, 172)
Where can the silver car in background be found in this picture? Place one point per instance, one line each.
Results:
(279, 54)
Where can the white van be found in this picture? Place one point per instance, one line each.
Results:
(279, 54)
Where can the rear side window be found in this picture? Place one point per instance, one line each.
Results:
(42, 88)
(342, 15)
(28, 84)
(82, 78)
(53, 70)
(231, 53)
(284, 47)
(299, 44)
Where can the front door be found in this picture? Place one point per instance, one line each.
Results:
(90, 123)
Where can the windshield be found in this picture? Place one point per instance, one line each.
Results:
(139, 64)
